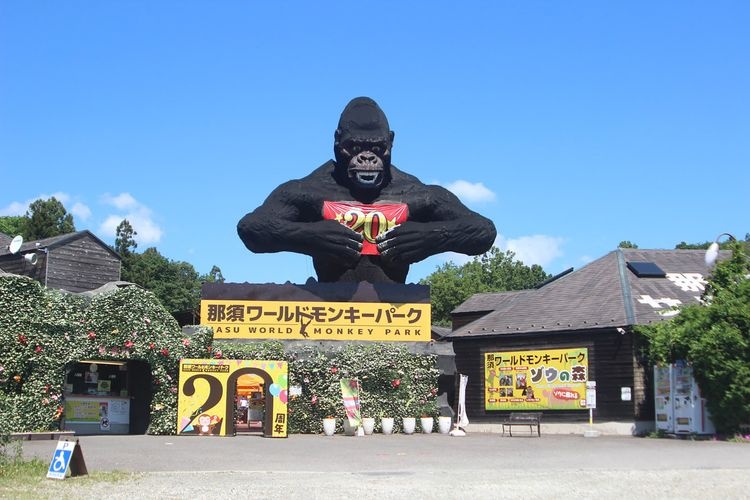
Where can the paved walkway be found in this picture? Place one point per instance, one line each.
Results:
(479, 465)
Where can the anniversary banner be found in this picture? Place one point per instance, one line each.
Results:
(207, 387)
(550, 379)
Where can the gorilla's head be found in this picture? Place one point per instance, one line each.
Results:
(363, 144)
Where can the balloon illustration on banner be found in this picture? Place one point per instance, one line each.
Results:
(206, 389)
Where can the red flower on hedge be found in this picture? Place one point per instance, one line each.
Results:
(395, 383)
(218, 354)
(38, 349)
(151, 345)
(129, 344)
(313, 400)
(334, 369)
(22, 339)
(164, 351)
(91, 335)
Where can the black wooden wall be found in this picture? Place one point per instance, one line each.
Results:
(80, 265)
(16, 264)
(612, 365)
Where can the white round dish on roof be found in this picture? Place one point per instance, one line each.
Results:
(15, 244)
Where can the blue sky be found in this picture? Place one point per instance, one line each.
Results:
(572, 125)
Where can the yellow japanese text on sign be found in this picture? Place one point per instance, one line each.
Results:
(205, 403)
(551, 379)
(243, 319)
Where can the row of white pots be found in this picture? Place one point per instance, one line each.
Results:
(409, 425)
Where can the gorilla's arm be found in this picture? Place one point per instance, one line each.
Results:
(439, 223)
(289, 220)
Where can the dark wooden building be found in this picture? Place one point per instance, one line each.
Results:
(76, 262)
(594, 308)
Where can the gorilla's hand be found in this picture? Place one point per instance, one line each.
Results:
(332, 240)
(411, 242)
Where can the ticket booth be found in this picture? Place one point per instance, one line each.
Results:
(106, 397)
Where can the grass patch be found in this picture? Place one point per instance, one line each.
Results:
(21, 478)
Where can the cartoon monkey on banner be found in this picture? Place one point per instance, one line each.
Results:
(359, 217)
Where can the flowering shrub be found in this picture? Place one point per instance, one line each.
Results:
(42, 331)
(377, 366)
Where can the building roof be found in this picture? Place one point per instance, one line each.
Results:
(56, 241)
(606, 293)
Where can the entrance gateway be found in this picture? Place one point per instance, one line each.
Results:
(207, 391)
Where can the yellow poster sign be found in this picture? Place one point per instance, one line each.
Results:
(551, 379)
(245, 319)
(205, 404)
(78, 410)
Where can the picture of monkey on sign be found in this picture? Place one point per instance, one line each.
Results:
(358, 216)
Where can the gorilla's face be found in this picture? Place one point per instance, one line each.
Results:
(362, 146)
(366, 162)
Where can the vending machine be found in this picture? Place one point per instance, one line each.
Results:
(680, 409)
(663, 398)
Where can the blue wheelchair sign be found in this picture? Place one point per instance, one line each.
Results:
(61, 460)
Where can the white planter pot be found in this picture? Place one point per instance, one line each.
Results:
(410, 424)
(427, 424)
(329, 426)
(444, 424)
(386, 424)
(368, 423)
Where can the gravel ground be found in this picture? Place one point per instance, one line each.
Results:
(413, 467)
(634, 484)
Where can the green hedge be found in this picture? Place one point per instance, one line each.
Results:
(42, 331)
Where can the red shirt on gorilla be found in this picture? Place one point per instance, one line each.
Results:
(359, 217)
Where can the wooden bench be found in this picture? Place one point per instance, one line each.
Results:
(523, 418)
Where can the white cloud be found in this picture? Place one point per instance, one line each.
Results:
(536, 249)
(123, 201)
(14, 209)
(139, 216)
(81, 211)
(470, 192)
(20, 207)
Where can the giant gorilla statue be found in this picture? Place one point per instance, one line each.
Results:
(359, 217)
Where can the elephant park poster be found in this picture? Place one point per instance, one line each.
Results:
(550, 379)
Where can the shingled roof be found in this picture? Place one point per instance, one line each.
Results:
(606, 293)
(56, 241)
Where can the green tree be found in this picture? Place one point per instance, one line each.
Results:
(213, 276)
(494, 271)
(175, 283)
(124, 242)
(714, 337)
(627, 244)
(724, 245)
(12, 225)
(46, 218)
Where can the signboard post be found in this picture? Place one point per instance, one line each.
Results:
(67, 455)
(591, 404)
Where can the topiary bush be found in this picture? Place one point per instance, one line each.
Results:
(42, 331)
